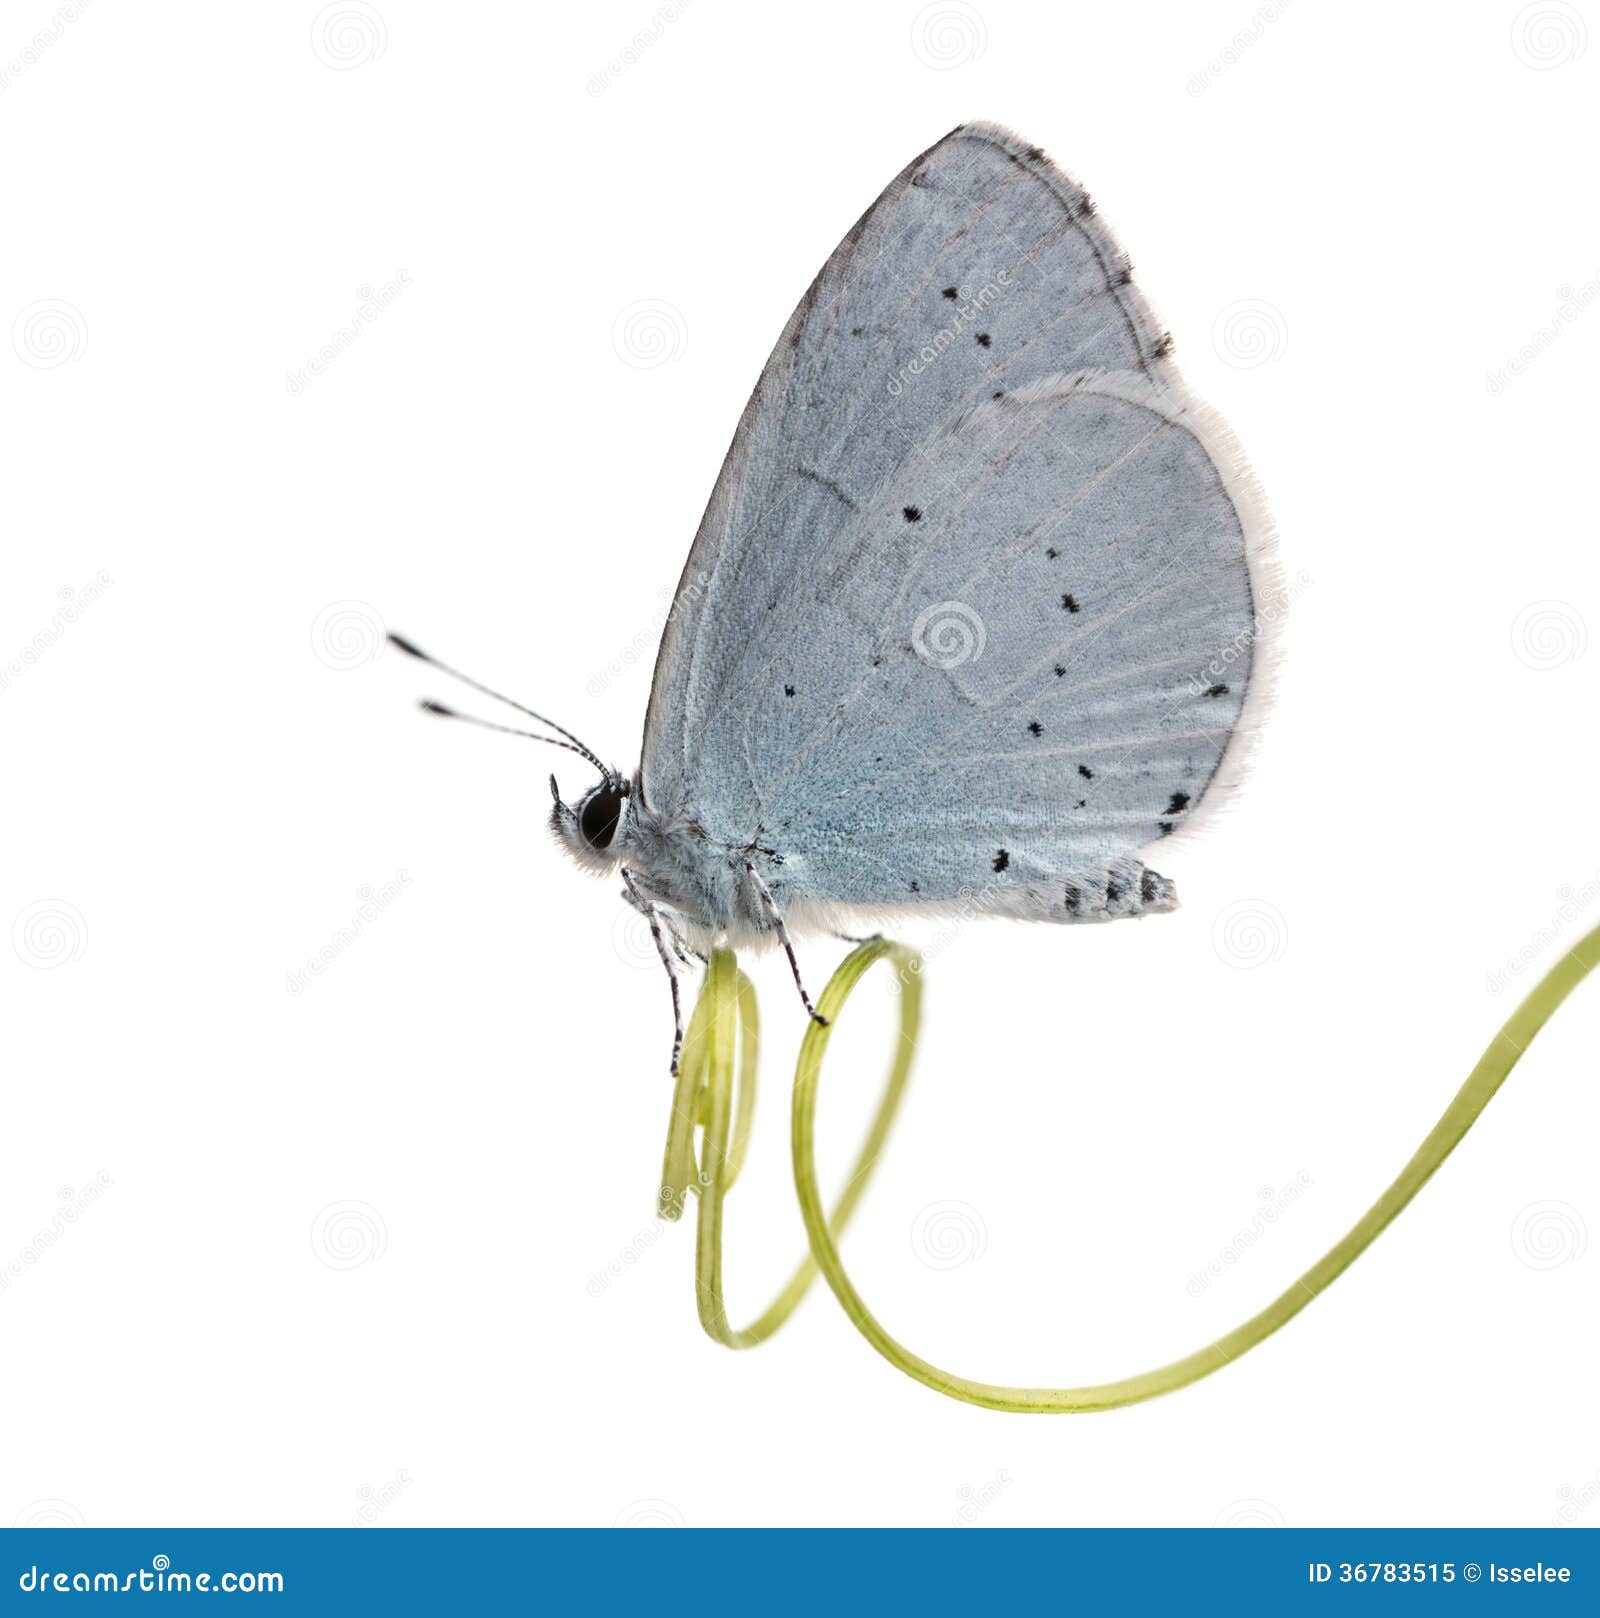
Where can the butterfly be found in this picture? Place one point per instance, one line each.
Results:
(973, 619)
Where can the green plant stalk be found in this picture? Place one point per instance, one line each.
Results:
(728, 1003)
(704, 1096)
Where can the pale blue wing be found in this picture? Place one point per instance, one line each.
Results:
(968, 426)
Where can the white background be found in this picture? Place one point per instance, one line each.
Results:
(1353, 219)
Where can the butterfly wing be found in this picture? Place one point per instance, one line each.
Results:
(971, 609)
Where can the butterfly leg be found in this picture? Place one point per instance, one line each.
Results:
(851, 938)
(775, 916)
(651, 915)
(681, 947)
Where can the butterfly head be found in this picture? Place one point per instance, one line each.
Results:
(593, 831)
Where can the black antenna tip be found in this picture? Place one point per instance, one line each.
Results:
(428, 705)
(409, 647)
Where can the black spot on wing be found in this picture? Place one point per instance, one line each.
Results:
(1086, 772)
(984, 339)
(788, 690)
(950, 292)
(1035, 728)
(1217, 691)
(1070, 602)
(912, 513)
(1180, 802)
(1001, 860)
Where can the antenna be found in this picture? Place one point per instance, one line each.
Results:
(428, 705)
(572, 744)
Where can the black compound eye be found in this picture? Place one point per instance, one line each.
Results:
(598, 816)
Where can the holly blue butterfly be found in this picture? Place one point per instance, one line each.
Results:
(973, 618)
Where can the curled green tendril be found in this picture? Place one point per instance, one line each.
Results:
(708, 1098)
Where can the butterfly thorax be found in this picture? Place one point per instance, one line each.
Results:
(708, 882)
(714, 886)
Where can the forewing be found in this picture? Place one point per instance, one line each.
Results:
(973, 599)
(980, 267)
